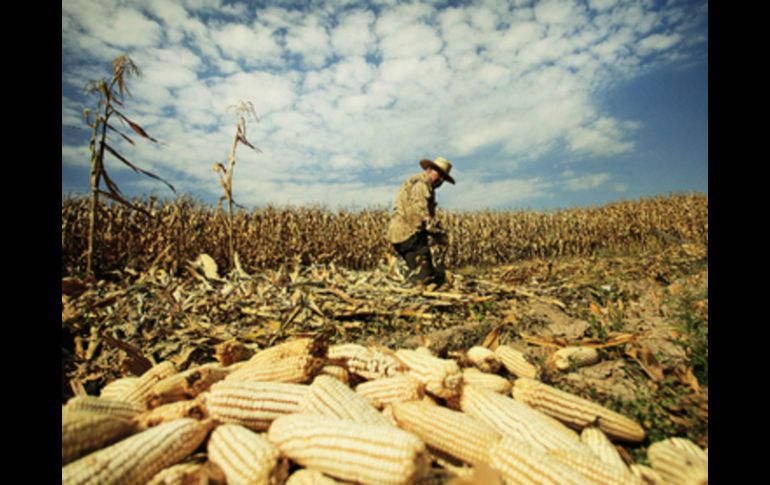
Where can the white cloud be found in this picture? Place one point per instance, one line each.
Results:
(488, 81)
(587, 182)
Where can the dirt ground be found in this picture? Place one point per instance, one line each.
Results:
(646, 314)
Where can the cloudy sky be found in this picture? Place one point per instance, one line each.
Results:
(538, 105)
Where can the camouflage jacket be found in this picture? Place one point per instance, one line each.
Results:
(415, 200)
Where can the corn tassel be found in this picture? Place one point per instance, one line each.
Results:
(350, 451)
(575, 410)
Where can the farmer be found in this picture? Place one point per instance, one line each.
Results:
(414, 219)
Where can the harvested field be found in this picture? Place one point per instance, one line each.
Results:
(643, 309)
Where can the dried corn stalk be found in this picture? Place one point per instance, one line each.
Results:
(576, 411)
(138, 458)
(244, 456)
(350, 451)
(452, 432)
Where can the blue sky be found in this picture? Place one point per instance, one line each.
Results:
(538, 105)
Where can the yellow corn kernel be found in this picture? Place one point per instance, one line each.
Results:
(388, 390)
(521, 464)
(515, 362)
(679, 460)
(191, 408)
(99, 405)
(346, 450)
(138, 458)
(140, 393)
(119, 387)
(253, 404)
(575, 410)
(602, 447)
(452, 432)
(517, 420)
(292, 369)
(186, 385)
(442, 377)
(83, 432)
(244, 456)
(329, 397)
(493, 382)
(484, 359)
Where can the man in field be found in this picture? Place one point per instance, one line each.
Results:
(414, 219)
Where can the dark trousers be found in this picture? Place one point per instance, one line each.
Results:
(416, 253)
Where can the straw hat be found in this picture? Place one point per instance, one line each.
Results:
(441, 165)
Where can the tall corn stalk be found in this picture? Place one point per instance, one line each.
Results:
(110, 97)
(242, 110)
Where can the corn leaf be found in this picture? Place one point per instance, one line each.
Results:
(121, 134)
(138, 129)
(135, 168)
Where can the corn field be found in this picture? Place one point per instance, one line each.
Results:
(271, 237)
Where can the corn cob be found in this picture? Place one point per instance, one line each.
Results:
(515, 362)
(387, 390)
(484, 359)
(338, 372)
(118, 387)
(350, 451)
(186, 385)
(188, 473)
(452, 432)
(243, 455)
(306, 476)
(521, 464)
(512, 418)
(575, 410)
(679, 461)
(230, 352)
(369, 363)
(442, 377)
(299, 346)
(564, 359)
(593, 468)
(292, 369)
(83, 432)
(192, 408)
(138, 458)
(253, 404)
(329, 397)
(602, 447)
(646, 475)
(141, 392)
(493, 382)
(98, 405)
